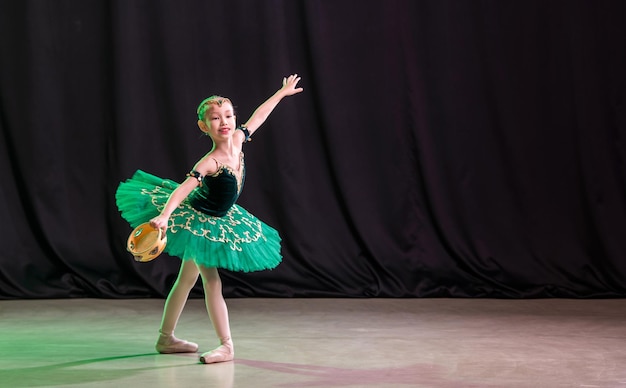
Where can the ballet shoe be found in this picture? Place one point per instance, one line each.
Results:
(224, 352)
(167, 344)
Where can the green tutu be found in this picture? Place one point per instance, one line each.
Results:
(238, 241)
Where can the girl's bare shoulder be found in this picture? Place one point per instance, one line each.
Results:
(208, 165)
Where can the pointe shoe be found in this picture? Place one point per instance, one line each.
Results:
(167, 344)
(224, 352)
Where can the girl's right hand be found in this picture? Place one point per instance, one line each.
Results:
(160, 222)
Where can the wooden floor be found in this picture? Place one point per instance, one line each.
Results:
(320, 343)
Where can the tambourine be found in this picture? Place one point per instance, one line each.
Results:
(146, 242)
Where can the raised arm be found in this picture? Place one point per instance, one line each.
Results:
(263, 111)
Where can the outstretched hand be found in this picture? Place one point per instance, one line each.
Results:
(261, 113)
(289, 85)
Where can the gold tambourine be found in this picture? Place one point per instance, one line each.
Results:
(146, 242)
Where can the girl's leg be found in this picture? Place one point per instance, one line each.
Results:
(167, 342)
(218, 312)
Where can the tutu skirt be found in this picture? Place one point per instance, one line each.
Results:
(239, 241)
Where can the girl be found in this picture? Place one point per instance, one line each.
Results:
(207, 230)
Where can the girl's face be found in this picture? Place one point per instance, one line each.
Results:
(219, 121)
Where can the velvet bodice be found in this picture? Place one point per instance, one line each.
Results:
(218, 192)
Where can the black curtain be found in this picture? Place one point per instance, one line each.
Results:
(442, 148)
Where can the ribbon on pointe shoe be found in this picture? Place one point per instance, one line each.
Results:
(222, 353)
(168, 343)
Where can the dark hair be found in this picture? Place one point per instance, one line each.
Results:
(207, 102)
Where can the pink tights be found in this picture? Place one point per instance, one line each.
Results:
(215, 304)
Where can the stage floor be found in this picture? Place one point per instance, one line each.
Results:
(320, 343)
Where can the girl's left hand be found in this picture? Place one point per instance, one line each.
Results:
(289, 85)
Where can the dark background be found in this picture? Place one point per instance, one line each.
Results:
(443, 148)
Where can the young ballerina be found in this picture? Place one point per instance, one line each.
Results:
(205, 227)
